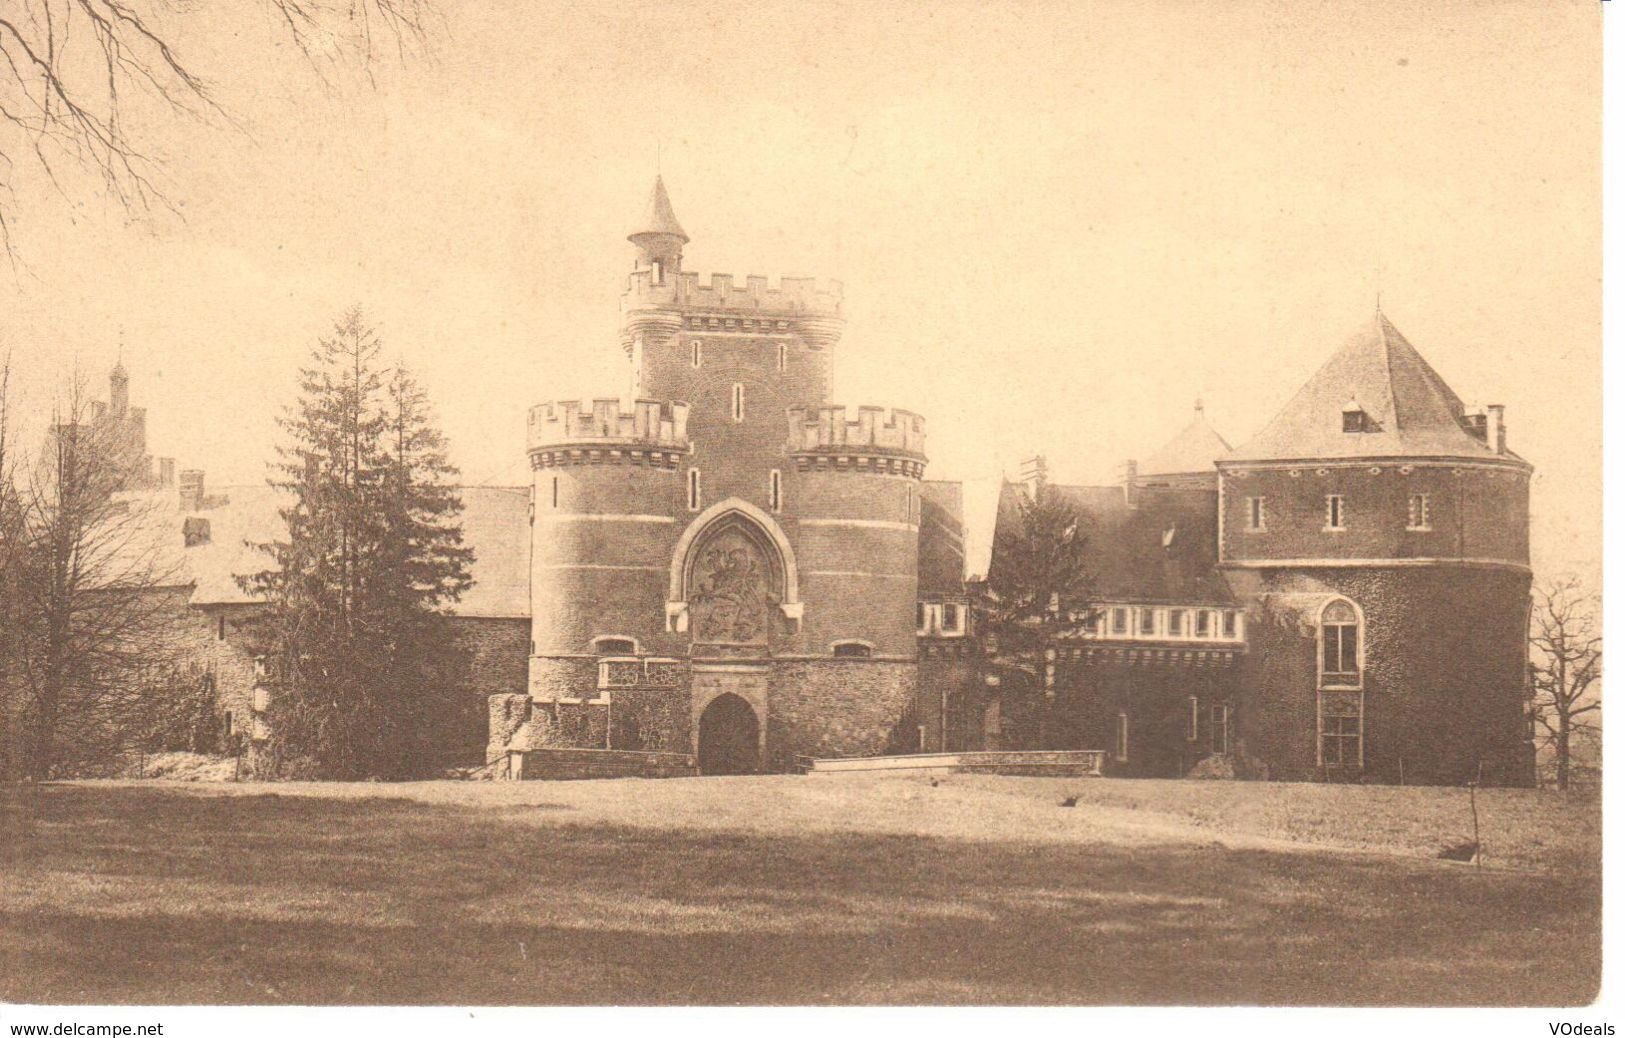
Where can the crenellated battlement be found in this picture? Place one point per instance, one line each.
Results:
(792, 296)
(892, 434)
(662, 425)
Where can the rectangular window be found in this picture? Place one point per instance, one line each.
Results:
(1229, 623)
(1148, 621)
(1255, 513)
(694, 353)
(919, 618)
(1091, 622)
(1218, 728)
(739, 402)
(1340, 653)
(952, 619)
(775, 499)
(784, 356)
(693, 490)
(1195, 717)
(1119, 620)
(1418, 517)
(1176, 623)
(1122, 737)
(1334, 512)
(1341, 731)
(1204, 623)
(555, 491)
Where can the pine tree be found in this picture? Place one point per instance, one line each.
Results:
(1038, 589)
(372, 554)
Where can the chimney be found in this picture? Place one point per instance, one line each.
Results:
(1131, 482)
(166, 472)
(1034, 474)
(192, 489)
(1497, 432)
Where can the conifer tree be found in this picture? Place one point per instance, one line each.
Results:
(372, 555)
(1039, 588)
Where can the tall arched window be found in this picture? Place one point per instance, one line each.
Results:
(1339, 645)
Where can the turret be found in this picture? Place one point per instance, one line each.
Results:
(659, 237)
(119, 390)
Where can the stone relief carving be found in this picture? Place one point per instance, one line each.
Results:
(733, 591)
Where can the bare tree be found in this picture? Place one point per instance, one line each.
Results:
(11, 616)
(99, 621)
(85, 83)
(1565, 669)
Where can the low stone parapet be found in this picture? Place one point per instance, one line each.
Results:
(1062, 763)
(564, 763)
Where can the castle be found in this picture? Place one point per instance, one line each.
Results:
(732, 573)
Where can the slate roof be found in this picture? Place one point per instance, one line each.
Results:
(1412, 411)
(942, 537)
(658, 217)
(496, 524)
(1163, 548)
(1194, 449)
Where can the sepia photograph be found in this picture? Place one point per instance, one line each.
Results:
(791, 504)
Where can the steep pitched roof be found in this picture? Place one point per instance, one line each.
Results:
(1410, 410)
(658, 217)
(1194, 449)
(495, 520)
(1162, 548)
(942, 537)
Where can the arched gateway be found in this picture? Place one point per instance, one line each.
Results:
(729, 737)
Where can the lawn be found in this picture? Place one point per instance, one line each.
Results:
(790, 889)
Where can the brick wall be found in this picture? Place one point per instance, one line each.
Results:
(1474, 511)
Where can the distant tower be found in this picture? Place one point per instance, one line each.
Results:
(119, 398)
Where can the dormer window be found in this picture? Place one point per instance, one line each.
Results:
(1354, 418)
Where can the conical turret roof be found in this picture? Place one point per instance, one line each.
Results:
(1409, 409)
(658, 217)
(1194, 449)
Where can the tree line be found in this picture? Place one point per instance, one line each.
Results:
(101, 656)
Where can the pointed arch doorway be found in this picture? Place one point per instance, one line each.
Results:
(729, 737)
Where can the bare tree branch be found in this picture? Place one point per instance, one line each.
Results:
(77, 76)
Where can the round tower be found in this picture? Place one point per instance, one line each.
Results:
(1383, 535)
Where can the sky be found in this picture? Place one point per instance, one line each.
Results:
(1058, 225)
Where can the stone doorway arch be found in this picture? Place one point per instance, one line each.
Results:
(729, 737)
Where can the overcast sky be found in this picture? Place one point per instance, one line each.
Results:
(1058, 225)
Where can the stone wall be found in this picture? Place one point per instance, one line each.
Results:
(840, 708)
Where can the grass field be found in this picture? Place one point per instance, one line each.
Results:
(787, 889)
